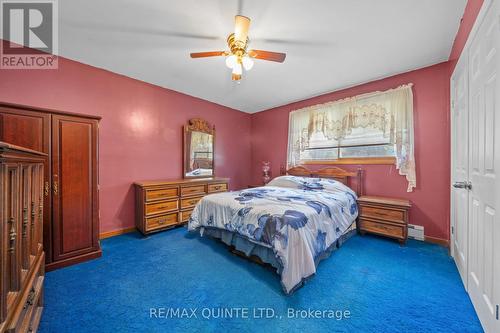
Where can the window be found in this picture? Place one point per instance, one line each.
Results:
(371, 128)
(360, 143)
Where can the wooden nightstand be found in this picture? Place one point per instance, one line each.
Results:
(384, 216)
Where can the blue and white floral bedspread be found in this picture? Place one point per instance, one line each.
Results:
(298, 217)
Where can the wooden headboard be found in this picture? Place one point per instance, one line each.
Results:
(336, 173)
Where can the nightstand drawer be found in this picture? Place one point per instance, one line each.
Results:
(377, 227)
(382, 213)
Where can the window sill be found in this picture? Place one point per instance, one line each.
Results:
(354, 160)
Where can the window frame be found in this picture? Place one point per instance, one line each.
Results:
(353, 160)
(382, 160)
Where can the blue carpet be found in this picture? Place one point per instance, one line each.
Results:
(385, 287)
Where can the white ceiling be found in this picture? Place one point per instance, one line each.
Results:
(330, 44)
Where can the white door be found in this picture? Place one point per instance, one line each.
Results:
(484, 171)
(460, 165)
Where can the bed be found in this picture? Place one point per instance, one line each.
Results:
(292, 223)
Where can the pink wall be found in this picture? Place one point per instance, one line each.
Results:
(470, 14)
(140, 132)
(432, 145)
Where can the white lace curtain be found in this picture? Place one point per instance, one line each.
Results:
(390, 111)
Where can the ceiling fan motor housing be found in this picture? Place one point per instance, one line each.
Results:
(237, 47)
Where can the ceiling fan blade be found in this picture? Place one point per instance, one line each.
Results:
(241, 26)
(266, 55)
(208, 54)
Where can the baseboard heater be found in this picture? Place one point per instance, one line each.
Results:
(416, 232)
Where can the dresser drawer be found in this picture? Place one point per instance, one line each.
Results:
(162, 221)
(162, 193)
(190, 202)
(384, 213)
(221, 187)
(31, 308)
(391, 230)
(162, 207)
(35, 319)
(185, 215)
(29, 299)
(193, 190)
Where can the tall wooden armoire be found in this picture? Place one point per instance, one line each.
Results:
(70, 184)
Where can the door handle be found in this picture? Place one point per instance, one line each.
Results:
(465, 185)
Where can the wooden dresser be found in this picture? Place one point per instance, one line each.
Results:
(164, 204)
(21, 242)
(384, 216)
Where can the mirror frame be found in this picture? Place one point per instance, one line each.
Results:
(197, 125)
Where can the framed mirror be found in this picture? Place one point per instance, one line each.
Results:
(199, 143)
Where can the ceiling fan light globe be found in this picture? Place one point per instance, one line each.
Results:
(237, 69)
(231, 61)
(247, 63)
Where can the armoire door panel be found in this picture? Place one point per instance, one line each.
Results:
(24, 130)
(74, 157)
(31, 129)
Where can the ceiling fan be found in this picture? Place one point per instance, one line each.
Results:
(238, 57)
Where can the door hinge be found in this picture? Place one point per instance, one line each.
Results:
(497, 311)
(453, 230)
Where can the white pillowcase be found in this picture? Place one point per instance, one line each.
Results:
(309, 183)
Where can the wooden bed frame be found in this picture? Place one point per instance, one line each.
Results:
(341, 175)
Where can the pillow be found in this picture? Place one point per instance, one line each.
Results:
(310, 184)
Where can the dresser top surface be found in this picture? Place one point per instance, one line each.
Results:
(7, 146)
(181, 181)
(384, 201)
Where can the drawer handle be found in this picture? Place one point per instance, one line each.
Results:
(162, 207)
(30, 299)
(162, 221)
